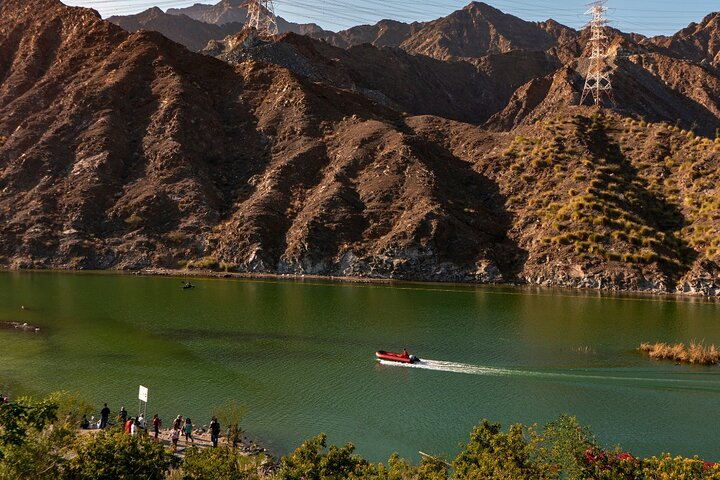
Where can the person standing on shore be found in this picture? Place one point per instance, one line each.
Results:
(123, 415)
(188, 431)
(156, 423)
(104, 415)
(133, 426)
(214, 431)
(128, 425)
(177, 424)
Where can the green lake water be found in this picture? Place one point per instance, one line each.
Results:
(300, 357)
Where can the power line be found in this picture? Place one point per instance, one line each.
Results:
(345, 13)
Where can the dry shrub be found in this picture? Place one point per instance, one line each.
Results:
(697, 352)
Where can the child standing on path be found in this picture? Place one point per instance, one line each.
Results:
(174, 437)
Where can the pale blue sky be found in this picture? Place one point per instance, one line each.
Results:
(642, 16)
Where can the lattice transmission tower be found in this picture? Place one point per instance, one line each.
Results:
(261, 17)
(597, 81)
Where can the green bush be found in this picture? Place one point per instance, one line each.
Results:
(205, 263)
(314, 460)
(113, 455)
(39, 440)
(497, 455)
(220, 462)
(35, 435)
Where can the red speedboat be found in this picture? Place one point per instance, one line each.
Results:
(403, 357)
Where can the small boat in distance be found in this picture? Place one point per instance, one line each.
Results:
(187, 285)
(403, 357)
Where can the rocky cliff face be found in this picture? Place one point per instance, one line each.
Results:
(125, 150)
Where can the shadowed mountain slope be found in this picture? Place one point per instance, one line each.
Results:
(413, 84)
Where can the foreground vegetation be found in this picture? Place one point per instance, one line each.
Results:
(38, 440)
(697, 352)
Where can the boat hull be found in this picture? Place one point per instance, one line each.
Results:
(395, 357)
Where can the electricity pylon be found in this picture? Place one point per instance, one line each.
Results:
(597, 81)
(261, 17)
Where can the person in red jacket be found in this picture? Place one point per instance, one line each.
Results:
(128, 425)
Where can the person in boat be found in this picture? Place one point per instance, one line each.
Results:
(405, 353)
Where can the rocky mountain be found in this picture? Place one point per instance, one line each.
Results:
(519, 71)
(476, 31)
(385, 33)
(194, 34)
(500, 90)
(698, 42)
(646, 83)
(414, 84)
(126, 150)
(472, 32)
(200, 24)
(226, 11)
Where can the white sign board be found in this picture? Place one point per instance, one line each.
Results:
(142, 394)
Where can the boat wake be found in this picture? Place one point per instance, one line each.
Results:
(454, 367)
(580, 375)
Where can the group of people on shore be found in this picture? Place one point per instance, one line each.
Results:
(137, 425)
(179, 427)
